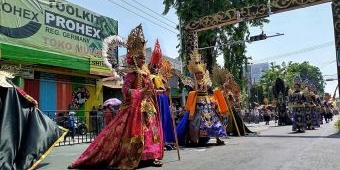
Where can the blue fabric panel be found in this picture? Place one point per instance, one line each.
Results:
(167, 125)
(182, 128)
(48, 96)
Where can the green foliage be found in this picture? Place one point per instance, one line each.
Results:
(306, 71)
(287, 73)
(234, 55)
(256, 94)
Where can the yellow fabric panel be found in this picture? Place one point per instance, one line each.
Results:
(94, 100)
(191, 103)
(222, 104)
(159, 82)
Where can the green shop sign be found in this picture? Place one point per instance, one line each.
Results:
(54, 26)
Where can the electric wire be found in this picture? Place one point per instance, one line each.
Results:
(304, 50)
(331, 74)
(327, 64)
(115, 3)
(148, 14)
(154, 12)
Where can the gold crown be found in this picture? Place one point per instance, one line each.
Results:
(136, 42)
(196, 64)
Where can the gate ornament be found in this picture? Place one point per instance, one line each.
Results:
(277, 6)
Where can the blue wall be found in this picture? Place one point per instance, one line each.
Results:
(48, 95)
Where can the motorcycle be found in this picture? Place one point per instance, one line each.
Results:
(80, 126)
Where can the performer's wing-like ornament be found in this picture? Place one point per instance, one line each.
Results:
(187, 81)
(166, 68)
(207, 78)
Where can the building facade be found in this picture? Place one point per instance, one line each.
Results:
(54, 49)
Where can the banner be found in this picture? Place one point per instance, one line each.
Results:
(54, 26)
(98, 67)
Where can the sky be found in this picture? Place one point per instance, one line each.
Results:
(308, 32)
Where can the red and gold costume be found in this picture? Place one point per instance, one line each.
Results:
(135, 134)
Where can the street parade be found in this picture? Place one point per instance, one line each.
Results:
(76, 93)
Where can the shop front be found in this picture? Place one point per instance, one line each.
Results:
(54, 49)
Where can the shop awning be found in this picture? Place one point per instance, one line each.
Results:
(115, 84)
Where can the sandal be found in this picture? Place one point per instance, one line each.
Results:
(157, 163)
(219, 142)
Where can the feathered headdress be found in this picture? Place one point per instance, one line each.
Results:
(306, 83)
(135, 44)
(156, 57)
(297, 80)
(279, 87)
(109, 45)
(4, 75)
(196, 64)
(313, 87)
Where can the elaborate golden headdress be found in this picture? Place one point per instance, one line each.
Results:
(135, 44)
(196, 64)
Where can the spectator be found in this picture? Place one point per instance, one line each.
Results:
(256, 114)
(266, 115)
(174, 109)
(100, 116)
(70, 124)
(108, 114)
(93, 118)
(179, 114)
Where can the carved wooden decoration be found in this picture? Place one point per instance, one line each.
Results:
(277, 6)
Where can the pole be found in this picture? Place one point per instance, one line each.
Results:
(181, 52)
(173, 124)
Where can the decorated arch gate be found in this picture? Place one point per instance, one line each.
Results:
(263, 10)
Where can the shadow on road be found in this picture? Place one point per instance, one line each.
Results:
(335, 135)
(41, 165)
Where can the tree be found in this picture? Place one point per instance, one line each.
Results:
(256, 95)
(234, 55)
(268, 79)
(306, 71)
(287, 73)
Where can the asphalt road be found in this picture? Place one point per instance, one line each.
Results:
(274, 148)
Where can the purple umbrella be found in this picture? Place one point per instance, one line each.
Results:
(113, 102)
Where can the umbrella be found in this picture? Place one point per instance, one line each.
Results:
(113, 102)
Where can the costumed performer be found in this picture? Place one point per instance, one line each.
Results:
(280, 93)
(135, 135)
(309, 104)
(328, 108)
(231, 92)
(162, 88)
(297, 103)
(203, 118)
(312, 102)
(27, 134)
(317, 108)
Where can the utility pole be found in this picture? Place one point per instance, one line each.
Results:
(181, 51)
